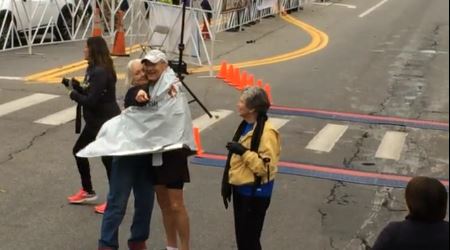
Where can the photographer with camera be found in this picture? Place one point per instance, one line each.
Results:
(96, 98)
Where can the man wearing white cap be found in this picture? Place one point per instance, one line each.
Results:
(171, 176)
(155, 63)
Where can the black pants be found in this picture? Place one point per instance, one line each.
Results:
(87, 136)
(249, 214)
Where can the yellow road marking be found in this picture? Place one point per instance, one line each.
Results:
(319, 40)
(52, 71)
(54, 75)
(120, 76)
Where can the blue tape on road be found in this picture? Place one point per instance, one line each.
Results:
(359, 118)
(343, 178)
(364, 180)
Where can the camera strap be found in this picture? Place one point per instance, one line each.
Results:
(78, 120)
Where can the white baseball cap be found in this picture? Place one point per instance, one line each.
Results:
(154, 56)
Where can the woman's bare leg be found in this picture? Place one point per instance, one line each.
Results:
(169, 219)
(181, 217)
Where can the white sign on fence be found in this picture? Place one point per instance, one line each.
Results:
(264, 4)
(229, 5)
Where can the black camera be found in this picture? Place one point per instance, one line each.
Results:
(72, 84)
(66, 82)
(175, 65)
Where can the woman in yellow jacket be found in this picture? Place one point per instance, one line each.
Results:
(251, 167)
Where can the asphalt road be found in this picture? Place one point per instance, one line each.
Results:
(392, 61)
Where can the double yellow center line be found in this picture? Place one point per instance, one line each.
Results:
(319, 40)
(54, 75)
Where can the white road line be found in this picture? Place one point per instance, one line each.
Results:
(322, 4)
(204, 121)
(391, 146)
(16, 78)
(367, 12)
(278, 122)
(337, 4)
(439, 52)
(345, 5)
(24, 102)
(325, 140)
(59, 118)
(433, 52)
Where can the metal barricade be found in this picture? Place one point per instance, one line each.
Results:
(31, 23)
(34, 23)
(253, 11)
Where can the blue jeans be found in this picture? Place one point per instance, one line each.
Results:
(127, 173)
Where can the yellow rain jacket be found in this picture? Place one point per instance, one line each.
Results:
(243, 168)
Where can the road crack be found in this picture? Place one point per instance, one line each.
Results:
(334, 197)
(358, 145)
(26, 147)
(323, 215)
(332, 243)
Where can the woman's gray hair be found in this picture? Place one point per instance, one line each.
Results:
(129, 75)
(256, 98)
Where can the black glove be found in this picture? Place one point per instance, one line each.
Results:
(76, 85)
(236, 148)
(67, 84)
(226, 194)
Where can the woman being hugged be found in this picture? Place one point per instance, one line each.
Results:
(96, 98)
(251, 167)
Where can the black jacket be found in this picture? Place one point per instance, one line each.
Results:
(98, 99)
(130, 96)
(413, 235)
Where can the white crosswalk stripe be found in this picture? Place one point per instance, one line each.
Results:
(391, 146)
(59, 118)
(325, 140)
(204, 121)
(278, 122)
(24, 102)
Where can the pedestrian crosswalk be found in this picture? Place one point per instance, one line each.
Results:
(391, 146)
(59, 118)
(324, 140)
(204, 121)
(278, 122)
(24, 102)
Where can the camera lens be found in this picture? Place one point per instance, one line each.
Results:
(65, 82)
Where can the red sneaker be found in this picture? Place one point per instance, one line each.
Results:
(82, 196)
(100, 209)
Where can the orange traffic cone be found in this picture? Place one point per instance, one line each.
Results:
(259, 83)
(97, 29)
(268, 92)
(230, 72)
(197, 141)
(119, 40)
(250, 80)
(243, 81)
(236, 78)
(223, 70)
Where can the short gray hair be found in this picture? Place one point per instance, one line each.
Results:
(129, 75)
(256, 98)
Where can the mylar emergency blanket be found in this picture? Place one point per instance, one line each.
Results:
(164, 124)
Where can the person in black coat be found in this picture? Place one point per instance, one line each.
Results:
(424, 228)
(96, 99)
